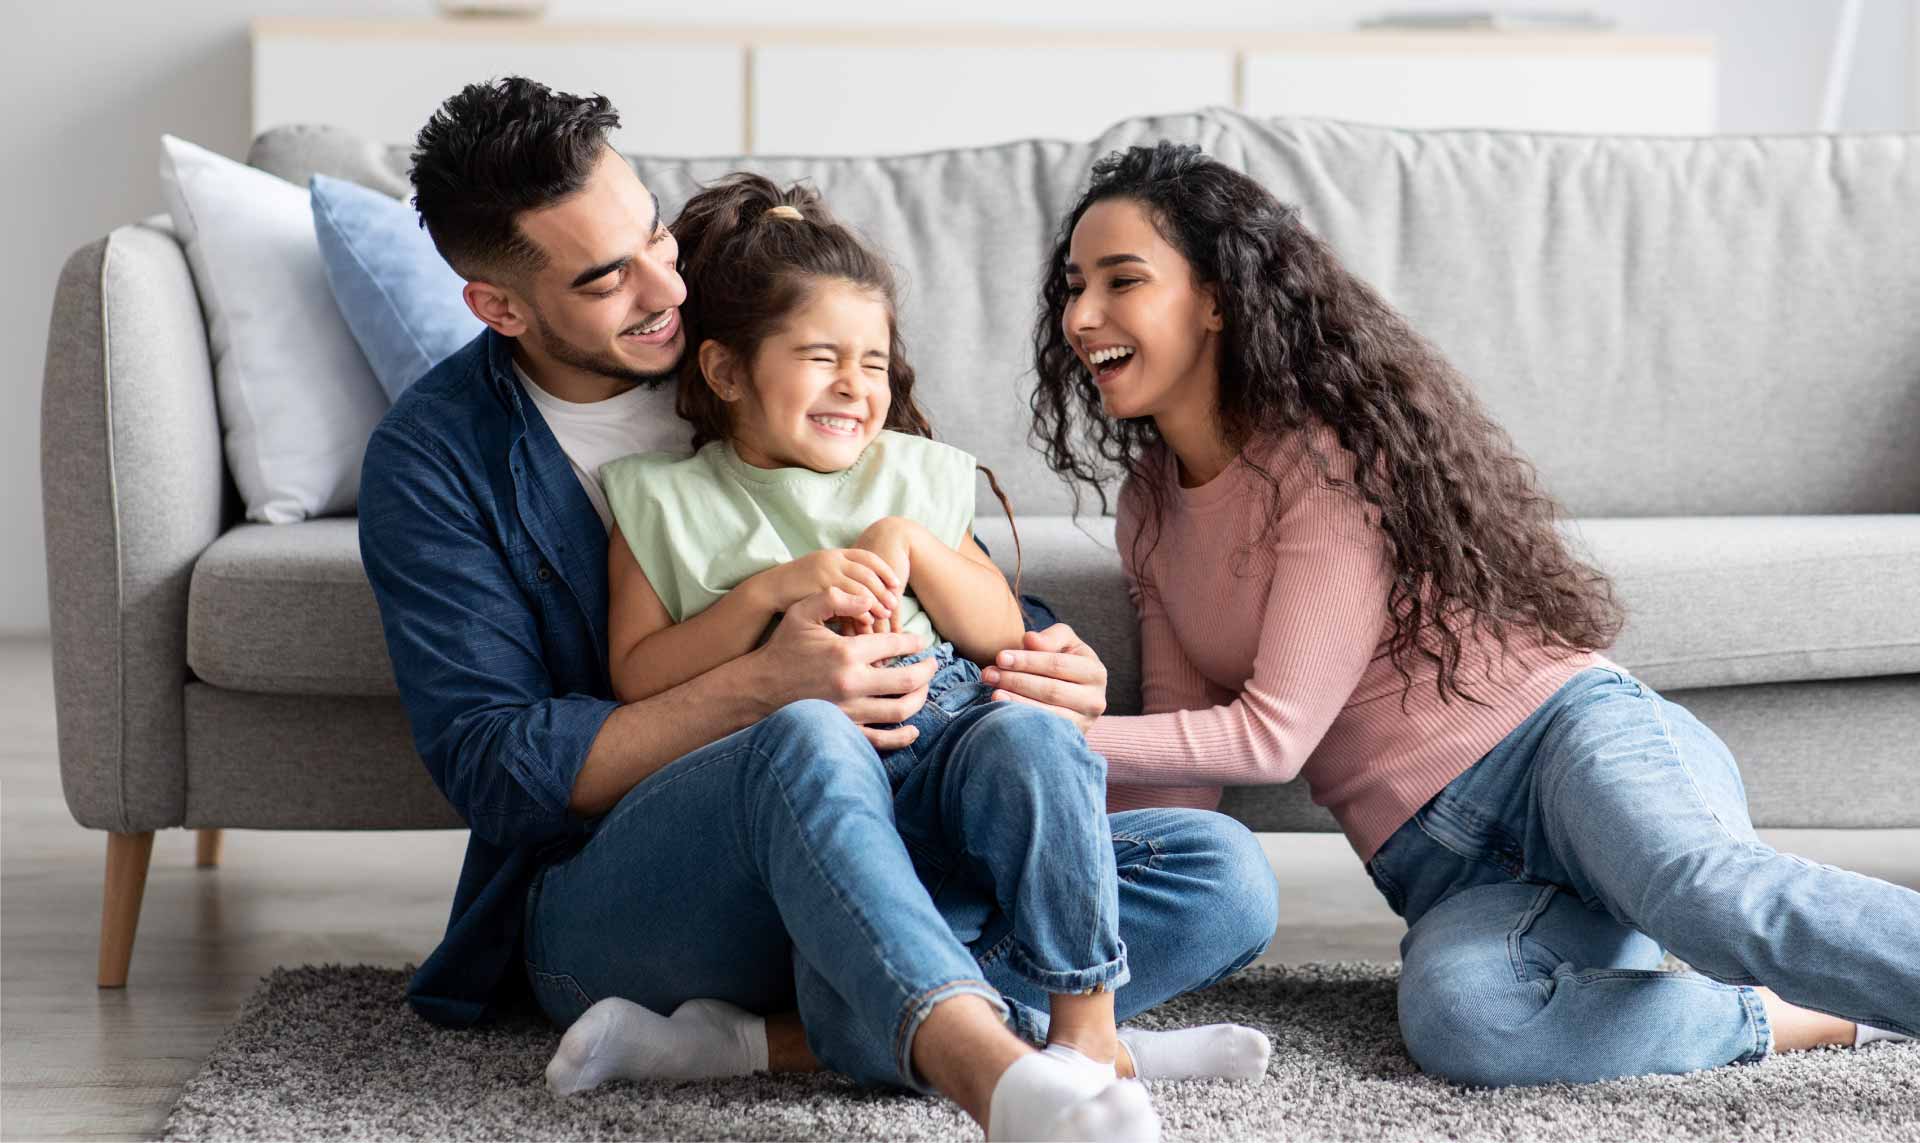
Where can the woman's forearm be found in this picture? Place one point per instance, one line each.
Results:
(728, 629)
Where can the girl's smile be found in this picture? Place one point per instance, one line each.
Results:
(818, 390)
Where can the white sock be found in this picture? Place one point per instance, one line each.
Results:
(1073, 1058)
(618, 1039)
(1215, 1051)
(1058, 1094)
(1863, 1035)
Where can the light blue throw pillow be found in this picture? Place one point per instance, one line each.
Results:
(400, 298)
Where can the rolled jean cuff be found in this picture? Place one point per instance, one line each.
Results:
(1028, 1024)
(1100, 978)
(914, 1013)
(1762, 1030)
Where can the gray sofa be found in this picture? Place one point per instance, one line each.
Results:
(1709, 347)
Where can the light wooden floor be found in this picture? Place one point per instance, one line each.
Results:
(80, 1063)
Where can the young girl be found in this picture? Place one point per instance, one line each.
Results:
(814, 470)
(1344, 572)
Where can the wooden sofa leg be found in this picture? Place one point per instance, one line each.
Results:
(127, 856)
(206, 852)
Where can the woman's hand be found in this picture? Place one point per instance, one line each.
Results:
(891, 539)
(1055, 669)
(856, 571)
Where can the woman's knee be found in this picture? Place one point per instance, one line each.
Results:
(1454, 1031)
(1465, 1016)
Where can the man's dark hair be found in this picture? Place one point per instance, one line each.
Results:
(494, 151)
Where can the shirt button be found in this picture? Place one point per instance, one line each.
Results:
(545, 573)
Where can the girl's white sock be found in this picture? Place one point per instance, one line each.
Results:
(1058, 1094)
(1862, 1035)
(618, 1039)
(1214, 1051)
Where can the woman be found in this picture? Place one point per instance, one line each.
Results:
(1343, 571)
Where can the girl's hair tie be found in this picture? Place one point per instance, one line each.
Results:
(785, 211)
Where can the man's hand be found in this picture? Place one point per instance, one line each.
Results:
(806, 659)
(1055, 670)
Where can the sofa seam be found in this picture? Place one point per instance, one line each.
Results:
(1747, 655)
(119, 545)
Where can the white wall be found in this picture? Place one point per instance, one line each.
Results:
(95, 84)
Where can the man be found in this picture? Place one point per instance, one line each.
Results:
(731, 827)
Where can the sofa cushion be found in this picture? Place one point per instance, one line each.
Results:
(1719, 601)
(286, 609)
(1714, 326)
(297, 400)
(1711, 601)
(399, 297)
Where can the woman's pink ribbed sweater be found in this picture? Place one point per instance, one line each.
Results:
(1262, 664)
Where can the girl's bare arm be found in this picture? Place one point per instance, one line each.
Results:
(963, 592)
(649, 653)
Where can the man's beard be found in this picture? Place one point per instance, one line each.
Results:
(598, 363)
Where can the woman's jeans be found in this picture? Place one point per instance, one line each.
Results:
(790, 865)
(1542, 885)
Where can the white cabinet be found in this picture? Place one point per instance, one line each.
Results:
(693, 91)
(1586, 83)
(686, 98)
(863, 99)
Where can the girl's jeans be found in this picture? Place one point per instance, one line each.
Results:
(1541, 886)
(789, 864)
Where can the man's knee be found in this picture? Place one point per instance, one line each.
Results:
(1234, 899)
(813, 740)
(1247, 894)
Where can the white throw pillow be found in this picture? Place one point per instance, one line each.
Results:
(297, 399)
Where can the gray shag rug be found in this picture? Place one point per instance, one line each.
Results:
(333, 1052)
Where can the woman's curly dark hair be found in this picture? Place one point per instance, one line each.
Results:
(1470, 534)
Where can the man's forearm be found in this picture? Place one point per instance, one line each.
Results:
(640, 738)
(682, 652)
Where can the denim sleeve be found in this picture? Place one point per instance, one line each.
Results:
(466, 648)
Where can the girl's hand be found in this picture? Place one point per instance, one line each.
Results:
(892, 538)
(858, 572)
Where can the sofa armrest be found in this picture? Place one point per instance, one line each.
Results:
(133, 488)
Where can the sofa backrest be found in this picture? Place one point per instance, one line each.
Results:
(1667, 326)
(967, 229)
(1720, 325)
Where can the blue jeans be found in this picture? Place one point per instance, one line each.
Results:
(789, 865)
(1542, 886)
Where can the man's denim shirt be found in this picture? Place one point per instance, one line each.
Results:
(490, 568)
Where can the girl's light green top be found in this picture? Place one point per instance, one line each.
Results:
(700, 525)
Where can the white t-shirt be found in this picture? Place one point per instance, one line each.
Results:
(592, 433)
